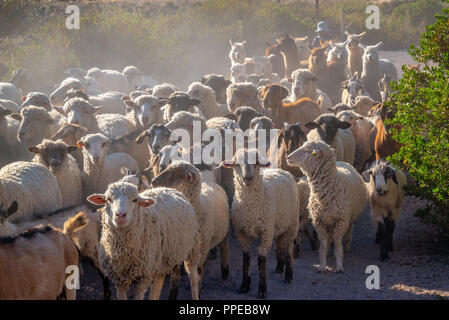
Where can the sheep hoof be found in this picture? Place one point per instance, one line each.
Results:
(245, 285)
(288, 277)
(296, 252)
(340, 271)
(224, 272)
(262, 291)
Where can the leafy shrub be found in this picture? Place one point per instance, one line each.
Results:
(422, 101)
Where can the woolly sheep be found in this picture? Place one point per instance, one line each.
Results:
(9, 91)
(203, 195)
(360, 128)
(134, 76)
(265, 207)
(37, 99)
(25, 80)
(137, 179)
(243, 94)
(33, 186)
(219, 84)
(75, 72)
(208, 104)
(36, 123)
(109, 80)
(386, 197)
(167, 222)
(180, 101)
(329, 129)
(144, 110)
(352, 88)
(186, 120)
(8, 104)
(100, 169)
(371, 73)
(363, 105)
(163, 91)
(55, 155)
(57, 97)
(338, 196)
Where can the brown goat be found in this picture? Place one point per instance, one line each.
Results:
(303, 110)
(290, 138)
(384, 144)
(289, 51)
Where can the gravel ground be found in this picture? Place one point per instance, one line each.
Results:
(416, 269)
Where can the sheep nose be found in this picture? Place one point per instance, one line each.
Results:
(247, 178)
(121, 214)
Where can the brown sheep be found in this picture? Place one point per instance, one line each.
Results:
(303, 110)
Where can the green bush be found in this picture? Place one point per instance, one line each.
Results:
(422, 101)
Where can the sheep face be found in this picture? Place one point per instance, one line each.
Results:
(89, 83)
(260, 123)
(33, 123)
(244, 115)
(36, 99)
(158, 136)
(384, 177)
(179, 175)
(311, 156)
(70, 133)
(327, 126)
(52, 154)
(201, 92)
(339, 107)
(303, 80)
(238, 51)
(350, 117)
(20, 77)
(79, 111)
(94, 147)
(121, 203)
(6, 213)
(146, 108)
(180, 101)
(238, 72)
(58, 96)
(167, 155)
(246, 165)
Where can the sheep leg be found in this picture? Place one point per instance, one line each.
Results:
(338, 247)
(313, 238)
(156, 288)
(175, 277)
(192, 271)
(389, 225)
(383, 241)
(106, 289)
(280, 255)
(348, 238)
(298, 240)
(223, 246)
(246, 281)
(212, 254)
(377, 236)
(262, 263)
(70, 294)
(321, 230)
(122, 293)
(289, 261)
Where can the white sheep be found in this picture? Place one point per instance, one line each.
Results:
(208, 105)
(338, 196)
(9, 105)
(360, 128)
(37, 99)
(58, 95)
(144, 110)
(33, 186)
(36, 123)
(180, 101)
(211, 208)
(243, 94)
(109, 80)
(363, 105)
(55, 155)
(305, 85)
(387, 193)
(168, 227)
(100, 169)
(353, 88)
(163, 91)
(265, 207)
(329, 129)
(9, 91)
(134, 76)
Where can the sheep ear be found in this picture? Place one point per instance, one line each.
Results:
(380, 44)
(34, 149)
(59, 109)
(228, 164)
(146, 202)
(362, 34)
(163, 102)
(343, 125)
(72, 148)
(311, 125)
(393, 176)
(366, 175)
(97, 198)
(131, 104)
(142, 136)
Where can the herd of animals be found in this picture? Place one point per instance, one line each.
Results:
(88, 170)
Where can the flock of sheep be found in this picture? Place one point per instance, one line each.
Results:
(77, 179)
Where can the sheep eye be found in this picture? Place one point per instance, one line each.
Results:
(135, 200)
